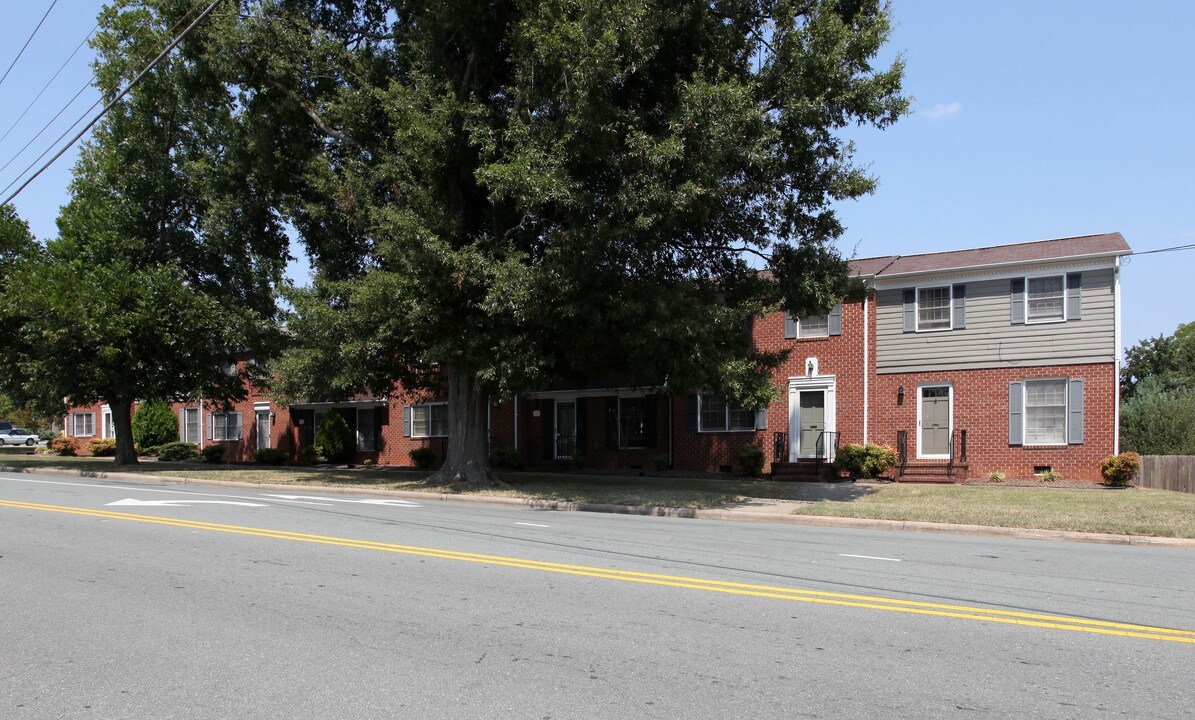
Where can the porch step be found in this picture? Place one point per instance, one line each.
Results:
(802, 471)
(923, 472)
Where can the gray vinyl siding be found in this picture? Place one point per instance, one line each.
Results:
(990, 339)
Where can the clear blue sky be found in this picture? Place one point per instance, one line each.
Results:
(1031, 120)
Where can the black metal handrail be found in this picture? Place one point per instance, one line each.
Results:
(827, 439)
(566, 446)
(780, 447)
(902, 449)
(957, 437)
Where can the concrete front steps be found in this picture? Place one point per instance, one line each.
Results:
(804, 470)
(931, 472)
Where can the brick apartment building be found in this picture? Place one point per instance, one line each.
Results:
(972, 361)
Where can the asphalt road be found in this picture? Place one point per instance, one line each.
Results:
(160, 601)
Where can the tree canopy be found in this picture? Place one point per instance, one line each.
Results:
(1157, 389)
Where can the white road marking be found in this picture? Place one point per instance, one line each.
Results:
(181, 503)
(533, 525)
(307, 502)
(363, 501)
(869, 557)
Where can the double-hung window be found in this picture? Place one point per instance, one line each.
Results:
(83, 424)
(933, 308)
(1046, 299)
(632, 421)
(814, 326)
(226, 426)
(717, 414)
(1045, 412)
(429, 420)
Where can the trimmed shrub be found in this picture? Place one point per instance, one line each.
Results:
(996, 476)
(102, 447)
(506, 458)
(213, 453)
(660, 461)
(336, 438)
(154, 424)
(865, 461)
(1048, 475)
(270, 456)
(1119, 470)
(424, 458)
(308, 454)
(65, 446)
(175, 451)
(751, 458)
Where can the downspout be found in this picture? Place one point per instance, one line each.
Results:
(1117, 353)
(866, 368)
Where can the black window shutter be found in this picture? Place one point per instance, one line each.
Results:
(582, 423)
(959, 294)
(1016, 294)
(834, 320)
(548, 418)
(790, 326)
(1016, 414)
(910, 310)
(612, 423)
(650, 407)
(1074, 411)
(691, 412)
(1074, 296)
(406, 421)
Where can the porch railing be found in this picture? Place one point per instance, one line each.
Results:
(780, 447)
(958, 450)
(902, 449)
(826, 446)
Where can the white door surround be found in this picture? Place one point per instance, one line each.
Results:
(825, 383)
(922, 439)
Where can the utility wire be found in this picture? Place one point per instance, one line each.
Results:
(111, 104)
(47, 85)
(1169, 249)
(27, 41)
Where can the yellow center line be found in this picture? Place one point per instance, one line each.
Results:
(766, 591)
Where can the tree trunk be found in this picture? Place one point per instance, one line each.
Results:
(122, 423)
(466, 459)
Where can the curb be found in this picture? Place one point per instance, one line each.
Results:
(653, 510)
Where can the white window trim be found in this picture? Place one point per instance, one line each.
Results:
(949, 307)
(726, 415)
(106, 422)
(825, 334)
(1046, 321)
(1066, 409)
(216, 434)
(182, 429)
(429, 434)
(74, 428)
(950, 421)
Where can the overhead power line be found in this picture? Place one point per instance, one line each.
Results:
(1169, 249)
(111, 104)
(47, 85)
(27, 41)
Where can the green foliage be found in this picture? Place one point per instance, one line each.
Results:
(102, 447)
(1168, 361)
(751, 459)
(271, 456)
(423, 457)
(996, 476)
(154, 423)
(213, 453)
(175, 451)
(1048, 475)
(65, 446)
(335, 438)
(26, 416)
(1157, 420)
(865, 461)
(1119, 470)
(506, 458)
(308, 454)
(660, 461)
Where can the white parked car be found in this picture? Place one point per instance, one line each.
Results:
(18, 436)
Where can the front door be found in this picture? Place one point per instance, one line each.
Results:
(263, 429)
(935, 422)
(566, 428)
(812, 422)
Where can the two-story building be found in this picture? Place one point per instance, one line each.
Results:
(968, 362)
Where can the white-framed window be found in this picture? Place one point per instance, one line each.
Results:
(189, 428)
(933, 308)
(1045, 412)
(1045, 299)
(715, 413)
(429, 420)
(632, 422)
(83, 424)
(109, 429)
(365, 429)
(226, 426)
(814, 326)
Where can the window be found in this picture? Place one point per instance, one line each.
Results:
(1045, 412)
(716, 414)
(83, 424)
(365, 437)
(226, 426)
(189, 429)
(429, 420)
(933, 308)
(814, 326)
(632, 415)
(1046, 299)
(109, 429)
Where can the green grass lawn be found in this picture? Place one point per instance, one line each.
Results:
(1132, 511)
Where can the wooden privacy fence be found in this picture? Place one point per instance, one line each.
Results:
(1167, 472)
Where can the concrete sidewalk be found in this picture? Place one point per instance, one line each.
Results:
(761, 510)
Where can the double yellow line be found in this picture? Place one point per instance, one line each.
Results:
(964, 612)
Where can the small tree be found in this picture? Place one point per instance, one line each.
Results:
(336, 438)
(154, 424)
